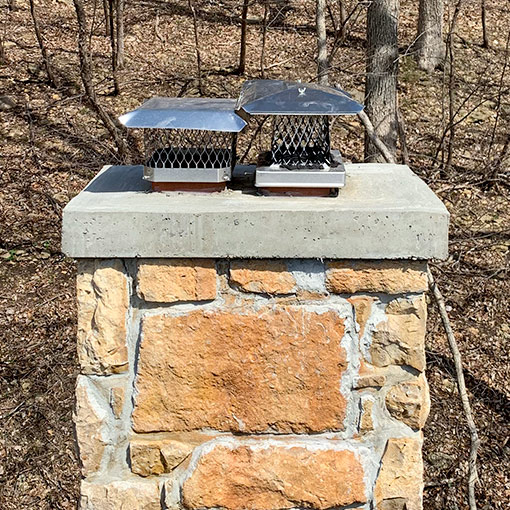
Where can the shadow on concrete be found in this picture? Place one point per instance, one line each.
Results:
(119, 178)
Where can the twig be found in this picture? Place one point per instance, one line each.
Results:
(257, 131)
(156, 29)
(197, 46)
(264, 35)
(475, 441)
(379, 144)
(402, 136)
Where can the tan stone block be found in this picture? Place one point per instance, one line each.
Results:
(156, 455)
(103, 301)
(145, 457)
(130, 494)
(117, 399)
(369, 381)
(273, 369)
(385, 276)
(262, 276)
(401, 475)
(409, 402)
(91, 425)
(400, 340)
(362, 311)
(174, 452)
(171, 280)
(366, 423)
(275, 478)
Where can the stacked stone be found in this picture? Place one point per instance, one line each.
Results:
(251, 384)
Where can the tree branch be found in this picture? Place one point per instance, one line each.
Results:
(475, 441)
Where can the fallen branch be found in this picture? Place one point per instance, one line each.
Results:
(475, 441)
(369, 128)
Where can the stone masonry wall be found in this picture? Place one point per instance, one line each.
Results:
(251, 384)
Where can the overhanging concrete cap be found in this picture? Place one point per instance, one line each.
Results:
(384, 212)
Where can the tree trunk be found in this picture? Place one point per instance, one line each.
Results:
(120, 33)
(42, 46)
(106, 9)
(244, 30)
(322, 48)
(113, 44)
(110, 123)
(381, 81)
(485, 43)
(430, 48)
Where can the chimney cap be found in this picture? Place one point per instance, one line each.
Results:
(198, 113)
(279, 97)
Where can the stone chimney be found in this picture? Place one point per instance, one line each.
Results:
(248, 352)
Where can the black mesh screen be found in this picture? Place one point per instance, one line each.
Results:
(300, 141)
(186, 148)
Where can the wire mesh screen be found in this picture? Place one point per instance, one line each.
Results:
(186, 148)
(300, 141)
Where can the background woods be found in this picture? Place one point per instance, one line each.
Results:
(435, 80)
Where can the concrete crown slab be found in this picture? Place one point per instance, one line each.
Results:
(384, 212)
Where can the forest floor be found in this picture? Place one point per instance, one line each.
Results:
(52, 145)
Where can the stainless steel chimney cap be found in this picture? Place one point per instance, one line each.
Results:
(279, 97)
(197, 113)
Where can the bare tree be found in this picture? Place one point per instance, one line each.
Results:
(110, 123)
(452, 91)
(430, 48)
(322, 49)
(485, 43)
(244, 31)
(42, 46)
(115, 19)
(381, 80)
(119, 29)
(106, 9)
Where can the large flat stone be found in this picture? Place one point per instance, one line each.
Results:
(275, 477)
(384, 212)
(241, 370)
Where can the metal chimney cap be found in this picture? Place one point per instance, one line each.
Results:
(279, 97)
(199, 113)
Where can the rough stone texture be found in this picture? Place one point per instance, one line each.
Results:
(103, 301)
(388, 276)
(171, 280)
(409, 402)
(400, 340)
(262, 276)
(401, 475)
(366, 423)
(91, 425)
(117, 399)
(369, 381)
(362, 310)
(156, 455)
(174, 452)
(393, 504)
(274, 369)
(130, 494)
(274, 478)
